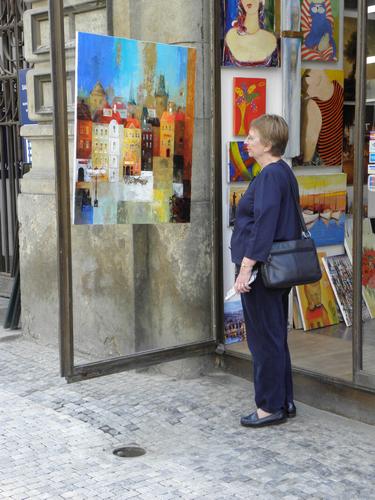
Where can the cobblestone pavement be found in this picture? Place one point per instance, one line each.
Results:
(56, 440)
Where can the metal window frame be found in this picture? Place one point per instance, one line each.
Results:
(360, 376)
(68, 369)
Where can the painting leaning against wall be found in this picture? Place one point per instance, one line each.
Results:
(134, 131)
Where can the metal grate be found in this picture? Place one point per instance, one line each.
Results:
(11, 164)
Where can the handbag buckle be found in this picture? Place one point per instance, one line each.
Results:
(306, 234)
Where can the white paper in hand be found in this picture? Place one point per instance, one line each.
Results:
(232, 292)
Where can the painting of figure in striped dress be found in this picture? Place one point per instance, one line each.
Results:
(322, 118)
(320, 27)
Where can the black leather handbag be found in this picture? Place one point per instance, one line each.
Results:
(294, 262)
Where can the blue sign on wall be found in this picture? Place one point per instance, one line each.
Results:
(24, 114)
(24, 105)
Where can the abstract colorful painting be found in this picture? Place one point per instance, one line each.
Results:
(340, 274)
(322, 118)
(249, 31)
(242, 167)
(134, 131)
(234, 324)
(249, 102)
(323, 203)
(320, 27)
(291, 72)
(317, 302)
(368, 260)
(235, 194)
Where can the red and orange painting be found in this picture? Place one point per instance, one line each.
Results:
(249, 102)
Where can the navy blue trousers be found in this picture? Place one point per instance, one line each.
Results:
(266, 319)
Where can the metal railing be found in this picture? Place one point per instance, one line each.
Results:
(11, 164)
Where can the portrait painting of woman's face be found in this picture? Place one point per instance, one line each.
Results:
(249, 33)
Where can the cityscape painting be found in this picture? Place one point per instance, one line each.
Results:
(134, 131)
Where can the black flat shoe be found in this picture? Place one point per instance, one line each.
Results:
(290, 410)
(253, 420)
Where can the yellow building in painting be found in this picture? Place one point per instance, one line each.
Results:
(100, 144)
(132, 148)
(97, 98)
(167, 133)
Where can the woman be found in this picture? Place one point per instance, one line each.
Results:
(266, 213)
(248, 43)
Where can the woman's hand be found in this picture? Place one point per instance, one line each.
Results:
(241, 284)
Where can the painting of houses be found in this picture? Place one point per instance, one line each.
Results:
(134, 131)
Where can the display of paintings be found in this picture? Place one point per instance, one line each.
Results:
(368, 260)
(249, 32)
(322, 118)
(291, 71)
(235, 194)
(317, 302)
(242, 167)
(340, 274)
(350, 57)
(249, 102)
(134, 131)
(234, 324)
(320, 27)
(348, 141)
(323, 203)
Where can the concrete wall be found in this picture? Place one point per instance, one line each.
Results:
(135, 287)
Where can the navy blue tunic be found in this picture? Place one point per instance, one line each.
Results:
(265, 213)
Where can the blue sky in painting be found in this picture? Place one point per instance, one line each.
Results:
(98, 60)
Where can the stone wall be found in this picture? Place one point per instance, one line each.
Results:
(135, 287)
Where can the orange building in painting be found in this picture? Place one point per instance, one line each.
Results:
(179, 134)
(84, 131)
(167, 134)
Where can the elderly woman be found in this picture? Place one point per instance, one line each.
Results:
(266, 213)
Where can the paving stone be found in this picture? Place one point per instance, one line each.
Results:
(56, 440)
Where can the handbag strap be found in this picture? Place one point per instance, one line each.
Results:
(305, 232)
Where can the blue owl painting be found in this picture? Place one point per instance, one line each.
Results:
(318, 24)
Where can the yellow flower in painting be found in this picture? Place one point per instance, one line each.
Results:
(239, 91)
(251, 89)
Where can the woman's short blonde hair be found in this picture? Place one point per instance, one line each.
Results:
(273, 130)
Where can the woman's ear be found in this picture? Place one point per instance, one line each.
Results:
(267, 147)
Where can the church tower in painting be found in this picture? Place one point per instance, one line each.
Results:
(149, 65)
(161, 97)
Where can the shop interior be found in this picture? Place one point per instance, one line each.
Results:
(320, 316)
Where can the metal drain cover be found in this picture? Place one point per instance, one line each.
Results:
(129, 451)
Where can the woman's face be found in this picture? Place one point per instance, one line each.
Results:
(250, 6)
(254, 145)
